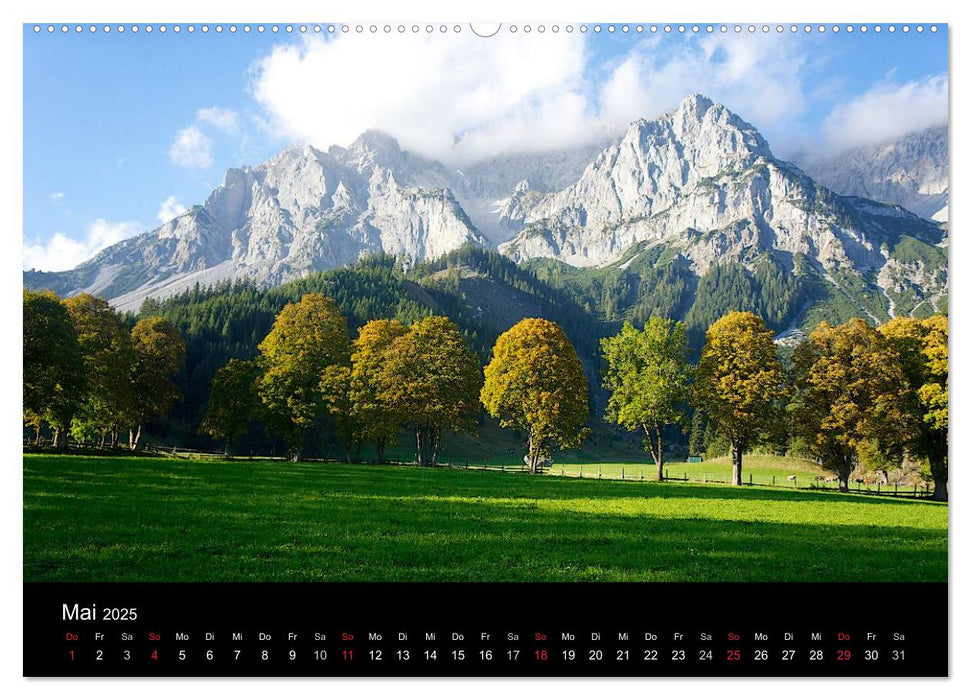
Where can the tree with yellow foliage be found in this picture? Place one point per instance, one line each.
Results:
(430, 379)
(739, 382)
(379, 420)
(849, 395)
(307, 337)
(535, 383)
(922, 346)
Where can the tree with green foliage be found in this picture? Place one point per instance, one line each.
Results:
(739, 382)
(922, 345)
(535, 383)
(159, 352)
(53, 383)
(307, 337)
(233, 402)
(649, 377)
(432, 378)
(849, 394)
(108, 356)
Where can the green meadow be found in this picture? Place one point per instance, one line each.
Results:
(159, 519)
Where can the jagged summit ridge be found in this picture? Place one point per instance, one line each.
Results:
(698, 180)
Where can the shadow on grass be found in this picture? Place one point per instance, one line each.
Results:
(124, 520)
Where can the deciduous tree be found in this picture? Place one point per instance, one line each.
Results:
(739, 382)
(307, 337)
(535, 383)
(159, 352)
(233, 402)
(108, 357)
(649, 377)
(849, 395)
(378, 418)
(432, 378)
(922, 345)
(53, 382)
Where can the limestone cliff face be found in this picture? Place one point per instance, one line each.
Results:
(703, 182)
(911, 171)
(302, 210)
(698, 180)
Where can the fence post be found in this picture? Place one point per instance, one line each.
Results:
(599, 472)
(686, 477)
(622, 473)
(773, 479)
(581, 471)
(750, 478)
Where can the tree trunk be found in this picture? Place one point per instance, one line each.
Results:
(380, 450)
(659, 459)
(295, 455)
(357, 451)
(226, 448)
(37, 434)
(655, 445)
(843, 474)
(424, 440)
(59, 439)
(736, 464)
(533, 455)
(939, 472)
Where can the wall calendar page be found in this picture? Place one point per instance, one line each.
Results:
(418, 349)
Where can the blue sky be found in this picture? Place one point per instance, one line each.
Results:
(122, 131)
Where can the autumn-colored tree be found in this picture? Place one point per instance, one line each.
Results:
(378, 419)
(535, 383)
(106, 350)
(53, 381)
(649, 377)
(335, 388)
(307, 337)
(432, 379)
(159, 353)
(233, 402)
(922, 345)
(739, 382)
(849, 395)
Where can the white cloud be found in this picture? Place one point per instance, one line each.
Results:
(224, 119)
(56, 197)
(455, 96)
(170, 208)
(884, 112)
(458, 97)
(61, 252)
(191, 148)
(756, 77)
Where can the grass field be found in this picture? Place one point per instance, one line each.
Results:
(142, 519)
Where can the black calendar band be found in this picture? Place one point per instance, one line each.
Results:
(485, 629)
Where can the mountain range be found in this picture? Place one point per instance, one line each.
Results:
(911, 171)
(690, 201)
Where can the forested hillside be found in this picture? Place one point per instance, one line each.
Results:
(229, 320)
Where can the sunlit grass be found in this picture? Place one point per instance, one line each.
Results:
(127, 519)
